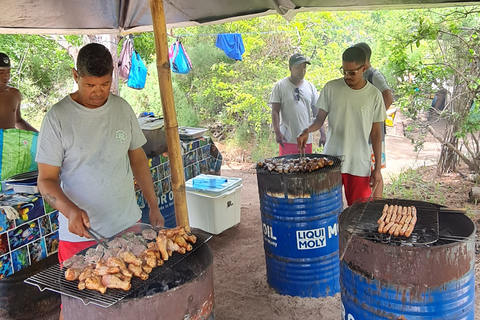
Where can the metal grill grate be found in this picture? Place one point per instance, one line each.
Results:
(53, 278)
(337, 161)
(360, 220)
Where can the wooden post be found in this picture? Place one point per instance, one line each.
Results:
(169, 114)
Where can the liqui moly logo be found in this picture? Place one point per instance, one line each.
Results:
(315, 238)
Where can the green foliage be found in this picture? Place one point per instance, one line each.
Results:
(417, 50)
(409, 184)
(42, 70)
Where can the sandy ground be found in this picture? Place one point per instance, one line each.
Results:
(241, 289)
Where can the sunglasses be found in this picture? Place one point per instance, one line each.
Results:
(351, 73)
(296, 92)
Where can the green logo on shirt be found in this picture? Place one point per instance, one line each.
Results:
(121, 136)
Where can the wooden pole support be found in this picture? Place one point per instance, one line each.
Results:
(169, 114)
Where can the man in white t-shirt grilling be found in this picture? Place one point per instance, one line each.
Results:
(89, 150)
(356, 111)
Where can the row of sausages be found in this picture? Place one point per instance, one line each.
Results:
(397, 220)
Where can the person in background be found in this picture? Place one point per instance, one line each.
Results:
(355, 110)
(438, 101)
(293, 107)
(376, 78)
(10, 99)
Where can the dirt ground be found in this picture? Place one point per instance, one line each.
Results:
(240, 282)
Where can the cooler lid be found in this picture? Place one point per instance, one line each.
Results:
(211, 184)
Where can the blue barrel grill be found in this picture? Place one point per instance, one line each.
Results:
(299, 220)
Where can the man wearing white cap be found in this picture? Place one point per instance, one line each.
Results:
(10, 99)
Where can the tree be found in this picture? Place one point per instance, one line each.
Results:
(440, 49)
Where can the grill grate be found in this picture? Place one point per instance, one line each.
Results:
(365, 225)
(53, 278)
(337, 161)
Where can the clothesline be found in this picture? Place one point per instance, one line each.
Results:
(216, 34)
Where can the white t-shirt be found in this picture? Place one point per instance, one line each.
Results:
(91, 148)
(295, 115)
(351, 114)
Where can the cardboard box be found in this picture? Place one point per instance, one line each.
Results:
(215, 213)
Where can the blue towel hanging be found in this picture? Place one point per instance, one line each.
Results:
(231, 44)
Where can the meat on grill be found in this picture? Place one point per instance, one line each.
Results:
(114, 282)
(397, 220)
(115, 267)
(298, 165)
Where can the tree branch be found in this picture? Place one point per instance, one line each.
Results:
(450, 146)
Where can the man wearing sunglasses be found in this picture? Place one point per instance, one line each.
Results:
(356, 111)
(293, 106)
(376, 78)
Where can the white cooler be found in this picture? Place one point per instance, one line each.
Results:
(213, 202)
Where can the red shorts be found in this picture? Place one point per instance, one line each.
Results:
(356, 187)
(67, 249)
(292, 148)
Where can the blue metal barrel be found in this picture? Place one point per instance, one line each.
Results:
(387, 281)
(299, 219)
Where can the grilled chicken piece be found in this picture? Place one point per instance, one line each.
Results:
(122, 277)
(117, 262)
(146, 268)
(72, 274)
(102, 269)
(171, 232)
(180, 240)
(87, 272)
(172, 246)
(128, 257)
(162, 246)
(81, 285)
(148, 259)
(138, 271)
(190, 238)
(114, 282)
(94, 282)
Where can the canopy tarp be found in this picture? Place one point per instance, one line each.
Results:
(127, 16)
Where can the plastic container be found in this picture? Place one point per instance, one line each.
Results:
(215, 213)
(153, 129)
(212, 185)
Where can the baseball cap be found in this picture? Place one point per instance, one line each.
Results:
(4, 61)
(297, 58)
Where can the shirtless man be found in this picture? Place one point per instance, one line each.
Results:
(10, 99)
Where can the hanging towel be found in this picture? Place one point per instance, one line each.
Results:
(125, 59)
(232, 44)
(138, 72)
(179, 60)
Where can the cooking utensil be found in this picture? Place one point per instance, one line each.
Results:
(92, 233)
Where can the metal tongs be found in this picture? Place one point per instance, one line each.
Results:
(97, 237)
(302, 153)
